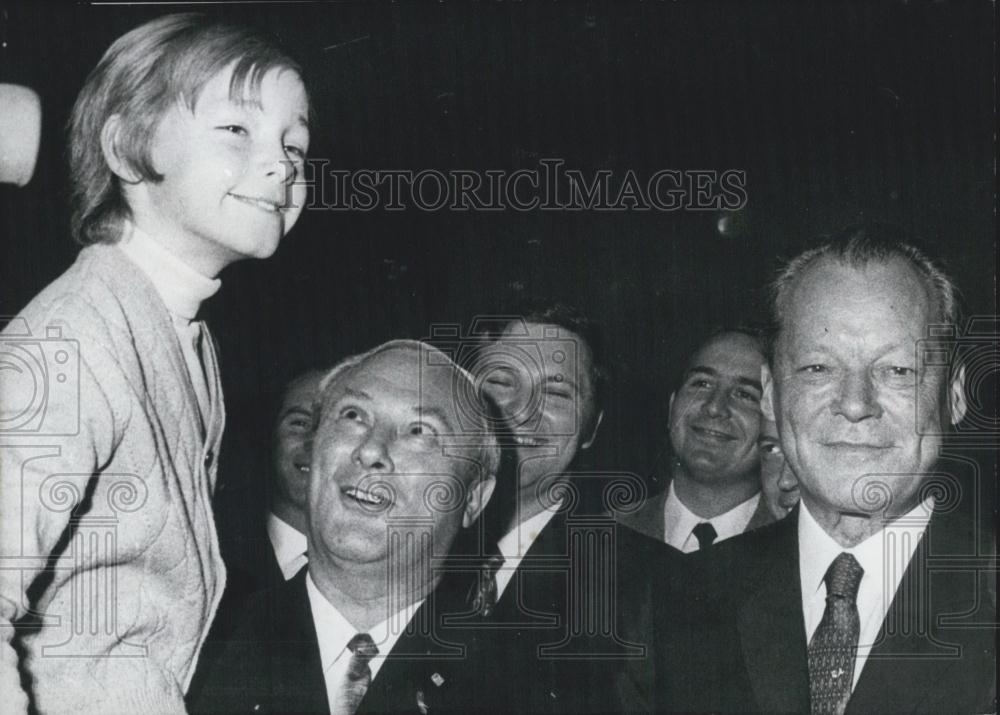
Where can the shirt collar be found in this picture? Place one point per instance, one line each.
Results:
(516, 542)
(679, 520)
(891, 546)
(289, 543)
(182, 288)
(334, 631)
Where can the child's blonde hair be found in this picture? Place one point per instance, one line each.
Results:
(141, 76)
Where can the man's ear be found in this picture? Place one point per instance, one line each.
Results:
(477, 498)
(121, 168)
(767, 398)
(957, 403)
(593, 433)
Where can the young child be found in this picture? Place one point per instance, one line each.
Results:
(185, 146)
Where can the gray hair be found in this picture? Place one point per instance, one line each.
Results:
(481, 433)
(860, 246)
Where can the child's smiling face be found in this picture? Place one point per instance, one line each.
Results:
(232, 172)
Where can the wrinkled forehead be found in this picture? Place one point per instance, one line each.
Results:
(879, 296)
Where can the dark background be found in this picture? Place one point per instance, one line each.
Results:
(837, 112)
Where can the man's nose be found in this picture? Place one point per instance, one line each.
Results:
(857, 399)
(787, 480)
(717, 404)
(373, 452)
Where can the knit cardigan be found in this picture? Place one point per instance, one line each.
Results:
(111, 569)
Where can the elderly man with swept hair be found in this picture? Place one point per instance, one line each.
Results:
(873, 595)
(395, 475)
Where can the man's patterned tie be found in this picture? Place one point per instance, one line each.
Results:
(359, 675)
(835, 642)
(484, 592)
(705, 533)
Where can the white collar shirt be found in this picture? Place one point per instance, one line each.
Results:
(516, 543)
(289, 545)
(334, 632)
(679, 521)
(883, 556)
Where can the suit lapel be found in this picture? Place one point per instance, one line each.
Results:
(649, 518)
(533, 609)
(762, 516)
(771, 614)
(910, 655)
(535, 596)
(295, 668)
(421, 672)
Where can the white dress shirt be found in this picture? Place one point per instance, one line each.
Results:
(515, 544)
(884, 557)
(679, 521)
(289, 545)
(334, 632)
(182, 289)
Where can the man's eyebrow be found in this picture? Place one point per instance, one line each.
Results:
(560, 380)
(357, 394)
(712, 372)
(295, 410)
(703, 370)
(437, 412)
(750, 382)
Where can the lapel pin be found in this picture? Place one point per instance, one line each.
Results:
(437, 679)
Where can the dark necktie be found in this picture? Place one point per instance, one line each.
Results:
(483, 594)
(359, 675)
(705, 533)
(835, 642)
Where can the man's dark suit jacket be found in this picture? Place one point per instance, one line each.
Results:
(740, 645)
(270, 662)
(649, 518)
(251, 556)
(251, 566)
(573, 631)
